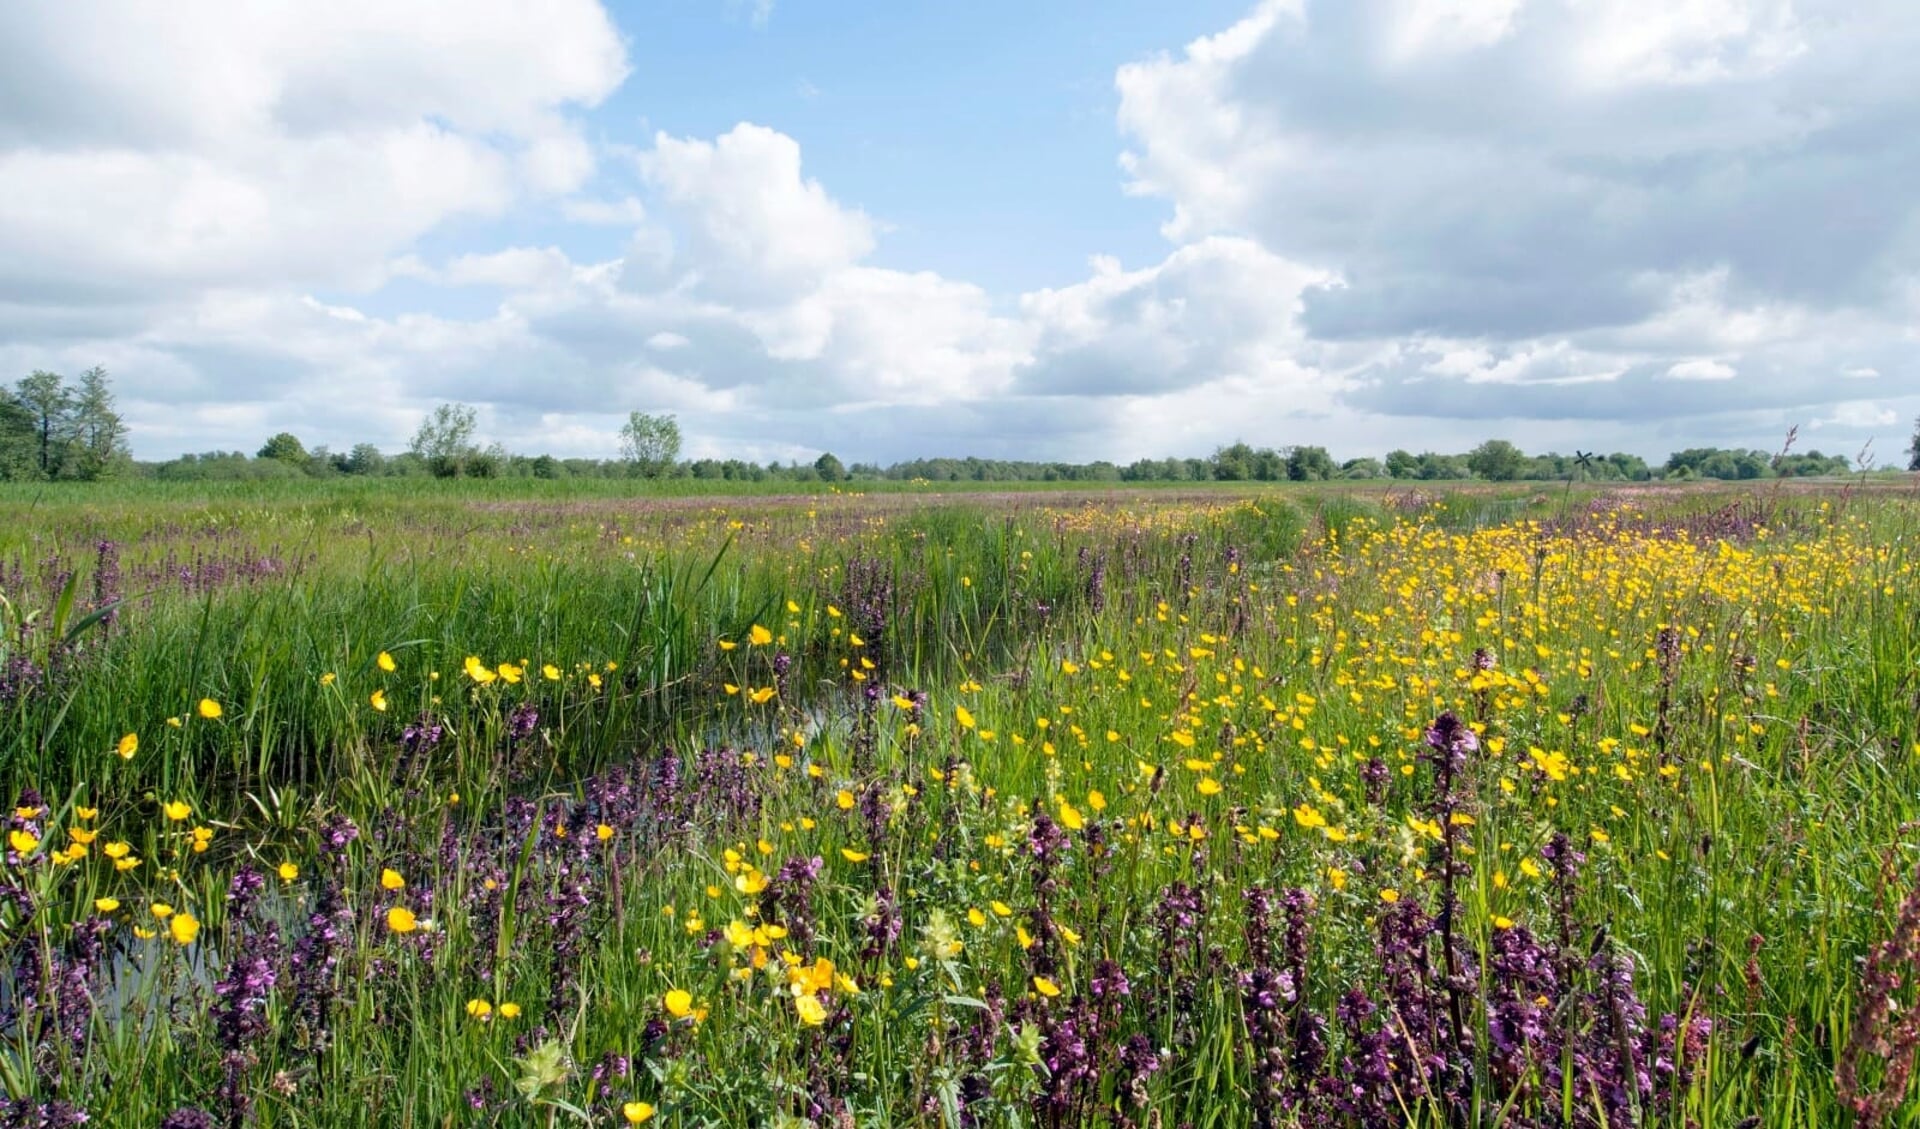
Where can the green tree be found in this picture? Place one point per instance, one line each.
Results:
(829, 468)
(1310, 464)
(445, 440)
(1402, 464)
(1497, 460)
(285, 447)
(47, 397)
(19, 440)
(365, 458)
(1913, 448)
(650, 443)
(98, 434)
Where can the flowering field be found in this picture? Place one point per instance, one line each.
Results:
(1209, 810)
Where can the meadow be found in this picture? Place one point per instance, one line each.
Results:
(543, 804)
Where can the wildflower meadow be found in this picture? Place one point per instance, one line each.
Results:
(521, 804)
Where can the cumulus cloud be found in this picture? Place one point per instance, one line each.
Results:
(1581, 199)
(1388, 223)
(145, 149)
(1701, 370)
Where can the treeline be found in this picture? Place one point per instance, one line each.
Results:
(51, 429)
(1496, 461)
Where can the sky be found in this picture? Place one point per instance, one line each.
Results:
(1069, 230)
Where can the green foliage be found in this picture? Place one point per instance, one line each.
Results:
(651, 443)
(52, 430)
(286, 447)
(445, 441)
(1738, 865)
(1497, 460)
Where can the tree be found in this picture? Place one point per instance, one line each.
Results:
(445, 440)
(19, 439)
(99, 434)
(650, 443)
(1497, 460)
(285, 447)
(1310, 464)
(365, 458)
(46, 396)
(829, 468)
(1402, 464)
(1913, 448)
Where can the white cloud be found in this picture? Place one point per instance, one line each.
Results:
(753, 224)
(1859, 415)
(143, 149)
(1701, 369)
(1390, 223)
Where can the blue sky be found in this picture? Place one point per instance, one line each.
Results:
(1043, 231)
(982, 135)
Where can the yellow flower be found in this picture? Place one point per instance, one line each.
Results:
(143, 933)
(479, 1009)
(390, 880)
(852, 855)
(751, 882)
(327, 678)
(125, 863)
(679, 1003)
(1500, 922)
(116, 850)
(551, 673)
(511, 673)
(1070, 817)
(478, 671)
(811, 1011)
(106, 905)
(759, 636)
(509, 1010)
(82, 835)
(385, 662)
(964, 716)
(378, 701)
(400, 919)
(844, 800)
(1389, 895)
(1002, 909)
(1045, 987)
(975, 917)
(160, 910)
(177, 810)
(728, 644)
(761, 696)
(22, 841)
(210, 709)
(129, 745)
(636, 1112)
(603, 832)
(1097, 801)
(85, 813)
(288, 872)
(1209, 786)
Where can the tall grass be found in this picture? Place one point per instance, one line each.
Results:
(1103, 810)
